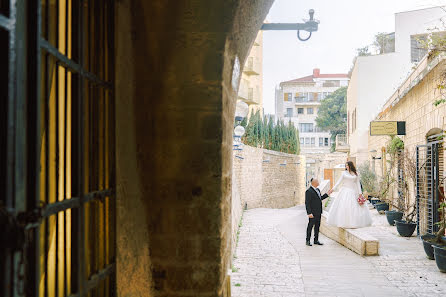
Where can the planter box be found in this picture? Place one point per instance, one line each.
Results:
(353, 239)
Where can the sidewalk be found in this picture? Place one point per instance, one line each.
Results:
(273, 260)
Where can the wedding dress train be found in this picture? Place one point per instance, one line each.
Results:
(345, 211)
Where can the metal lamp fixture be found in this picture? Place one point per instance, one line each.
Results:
(310, 26)
(241, 111)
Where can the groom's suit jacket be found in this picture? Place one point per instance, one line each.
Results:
(313, 203)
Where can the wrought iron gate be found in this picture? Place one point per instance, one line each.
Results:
(429, 160)
(57, 206)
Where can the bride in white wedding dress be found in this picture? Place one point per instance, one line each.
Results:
(346, 211)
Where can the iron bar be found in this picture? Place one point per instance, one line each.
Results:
(75, 202)
(96, 278)
(81, 283)
(73, 66)
(5, 23)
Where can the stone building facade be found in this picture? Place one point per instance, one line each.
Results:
(251, 83)
(413, 103)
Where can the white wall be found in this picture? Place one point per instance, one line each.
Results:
(413, 23)
(375, 78)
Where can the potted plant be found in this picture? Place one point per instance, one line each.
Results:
(430, 241)
(368, 182)
(384, 188)
(440, 244)
(407, 226)
(406, 172)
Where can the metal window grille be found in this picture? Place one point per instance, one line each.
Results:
(57, 147)
(429, 175)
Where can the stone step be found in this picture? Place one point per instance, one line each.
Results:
(354, 239)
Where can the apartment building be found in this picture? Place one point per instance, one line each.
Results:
(251, 83)
(298, 100)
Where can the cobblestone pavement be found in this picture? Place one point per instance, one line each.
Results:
(272, 260)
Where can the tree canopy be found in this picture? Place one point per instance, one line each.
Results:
(269, 135)
(333, 112)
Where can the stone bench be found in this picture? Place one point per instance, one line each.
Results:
(353, 239)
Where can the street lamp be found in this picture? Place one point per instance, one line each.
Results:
(241, 111)
(310, 26)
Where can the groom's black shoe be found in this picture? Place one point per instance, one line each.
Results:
(308, 243)
(318, 243)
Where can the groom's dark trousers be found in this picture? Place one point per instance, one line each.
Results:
(313, 204)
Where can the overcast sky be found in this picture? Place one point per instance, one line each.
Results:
(345, 26)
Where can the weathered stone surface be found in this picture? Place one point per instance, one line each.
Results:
(273, 261)
(259, 180)
(174, 122)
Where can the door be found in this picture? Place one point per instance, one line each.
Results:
(328, 174)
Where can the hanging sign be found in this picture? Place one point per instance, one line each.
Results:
(387, 128)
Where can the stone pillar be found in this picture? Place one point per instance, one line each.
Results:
(175, 101)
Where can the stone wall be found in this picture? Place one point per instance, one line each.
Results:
(269, 179)
(414, 104)
(260, 178)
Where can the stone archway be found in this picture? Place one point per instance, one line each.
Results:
(174, 118)
(433, 132)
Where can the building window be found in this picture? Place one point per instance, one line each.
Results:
(300, 111)
(326, 141)
(302, 141)
(321, 141)
(348, 123)
(310, 110)
(318, 129)
(306, 127)
(354, 120)
(288, 97)
(331, 83)
(325, 95)
(307, 141)
(313, 141)
(302, 97)
(417, 51)
(289, 112)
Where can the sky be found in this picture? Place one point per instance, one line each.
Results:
(345, 25)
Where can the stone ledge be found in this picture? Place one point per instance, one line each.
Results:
(353, 239)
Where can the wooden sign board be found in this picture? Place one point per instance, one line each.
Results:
(387, 128)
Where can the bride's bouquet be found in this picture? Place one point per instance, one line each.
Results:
(361, 199)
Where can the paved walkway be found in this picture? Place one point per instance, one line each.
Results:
(273, 260)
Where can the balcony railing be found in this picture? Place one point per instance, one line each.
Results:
(342, 143)
(252, 66)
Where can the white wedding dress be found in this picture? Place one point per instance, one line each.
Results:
(345, 211)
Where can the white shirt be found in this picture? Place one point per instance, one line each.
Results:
(317, 191)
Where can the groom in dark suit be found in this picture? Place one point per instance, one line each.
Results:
(313, 204)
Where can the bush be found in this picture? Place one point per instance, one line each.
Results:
(368, 179)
